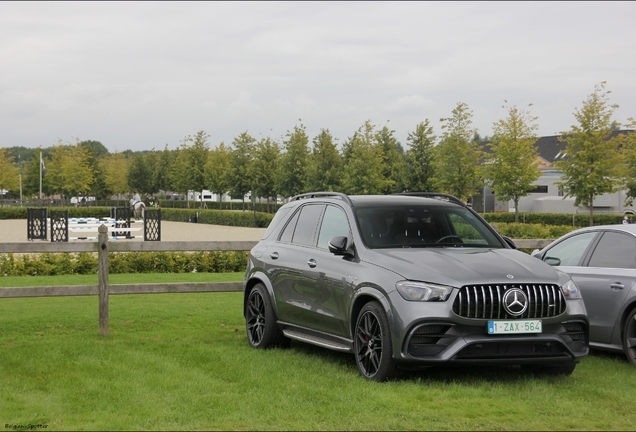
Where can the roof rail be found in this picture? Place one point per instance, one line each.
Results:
(435, 195)
(340, 195)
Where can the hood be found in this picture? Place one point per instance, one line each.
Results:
(463, 266)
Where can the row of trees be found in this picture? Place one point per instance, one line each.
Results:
(371, 161)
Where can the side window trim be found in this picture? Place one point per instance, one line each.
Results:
(314, 240)
(289, 220)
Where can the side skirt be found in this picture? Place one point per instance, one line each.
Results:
(314, 337)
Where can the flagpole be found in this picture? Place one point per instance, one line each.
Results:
(40, 174)
(20, 163)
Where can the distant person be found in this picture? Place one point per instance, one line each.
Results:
(137, 205)
(136, 198)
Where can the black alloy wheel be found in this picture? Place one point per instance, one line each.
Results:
(372, 344)
(260, 320)
(629, 337)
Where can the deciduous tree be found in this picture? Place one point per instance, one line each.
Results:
(240, 161)
(324, 171)
(70, 170)
(217, 170)
(628, 143)
(9, 172)
(592, 165)
(393, 162)
(264, 168)
(115, 168)
(458, 156)
(513, 165)
(363, 163)
(420, 158)
(293, 164)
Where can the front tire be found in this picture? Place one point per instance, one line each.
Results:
(260, 320)
(629, 337)
(372, 344)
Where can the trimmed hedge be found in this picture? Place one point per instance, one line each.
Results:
(578, 220)
(49, 264)
(218, 217)
(531, 231)
(209, 205)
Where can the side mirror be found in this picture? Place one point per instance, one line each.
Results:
(510, 242)
(340, 246)
(553, 261)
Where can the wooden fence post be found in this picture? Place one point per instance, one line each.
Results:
(102, 259)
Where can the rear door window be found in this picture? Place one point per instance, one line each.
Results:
(307, 225)
(614, 250)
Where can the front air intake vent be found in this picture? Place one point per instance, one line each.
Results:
(486, 301)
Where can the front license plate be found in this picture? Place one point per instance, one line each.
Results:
(514, 327)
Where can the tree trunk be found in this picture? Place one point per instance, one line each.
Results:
(591, 203)
(516, 199)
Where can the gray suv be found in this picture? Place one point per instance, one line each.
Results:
(408, 281)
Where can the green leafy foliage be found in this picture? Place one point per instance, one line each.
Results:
(420, 158)
(512, 167)
(592, 165)
(458, 156)
(51, 264)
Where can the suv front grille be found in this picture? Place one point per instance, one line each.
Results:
(486, 301)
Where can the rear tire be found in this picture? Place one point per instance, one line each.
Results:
(260, 320)
(372, 344)
(629, 337)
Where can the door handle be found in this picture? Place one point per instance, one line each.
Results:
(273, 255)
(617, 285)
(312, 263)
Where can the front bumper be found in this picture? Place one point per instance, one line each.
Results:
(433, 334)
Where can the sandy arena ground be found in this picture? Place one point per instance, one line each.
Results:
(15, 230)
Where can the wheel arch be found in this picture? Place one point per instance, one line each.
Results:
(367, 295)
(254, 279)
(628, 310)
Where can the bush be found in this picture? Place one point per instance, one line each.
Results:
(218, 217)
(50, 264)
(531, 231)
(578, 220)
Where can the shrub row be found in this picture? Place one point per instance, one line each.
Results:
(218, 217)
(209, 205)
(531, 231)
(578, 220)
(49, 264)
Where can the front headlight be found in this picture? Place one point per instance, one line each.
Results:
(422, 291)
(571, 291)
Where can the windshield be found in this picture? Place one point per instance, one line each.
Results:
(423, 226)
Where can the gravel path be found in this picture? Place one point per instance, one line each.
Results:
(15, 230)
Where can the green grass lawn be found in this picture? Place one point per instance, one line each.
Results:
(181, 361)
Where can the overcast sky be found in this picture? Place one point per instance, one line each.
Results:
(142, 75)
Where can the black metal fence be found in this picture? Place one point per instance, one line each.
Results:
(36, 224)
(60, 226)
